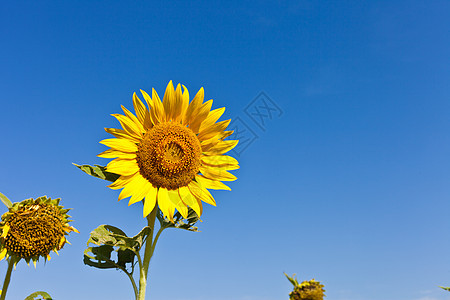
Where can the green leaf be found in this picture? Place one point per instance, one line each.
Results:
(124, 257)
(98, 171)
(5, 200)
(179, 221)
(113, 236)
(109, 239)
(101, 257)
(445, 288)
(292, 279)
(44, 296)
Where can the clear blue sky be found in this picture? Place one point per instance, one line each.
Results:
(348, 183)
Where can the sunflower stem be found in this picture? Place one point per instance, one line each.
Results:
(130, 276)
(148, 252)
(7, 278)
(156, 240)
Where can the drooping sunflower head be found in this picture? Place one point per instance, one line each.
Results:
(308, 290)
(32, 228)
(170, 153)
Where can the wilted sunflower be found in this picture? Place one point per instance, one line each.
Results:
(307, 290)
(171, 153)
(33, 228)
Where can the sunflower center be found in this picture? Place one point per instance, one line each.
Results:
(169, 155)
(34, 231)
(173, 152)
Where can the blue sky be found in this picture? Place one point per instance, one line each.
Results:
(348, 182)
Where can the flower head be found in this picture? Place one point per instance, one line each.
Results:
(33, 228)
(308, 290)
(170, 153)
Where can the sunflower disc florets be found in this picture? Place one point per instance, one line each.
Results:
(33, 228)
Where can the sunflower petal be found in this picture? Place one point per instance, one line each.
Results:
(140, 193)
(165, 204)
(3, 253)
(211, 184)
(134, 119)
(122, 134)
(5, 230)
(136, 184)
(120, 144)
(121, 182)
(158, 108)
(139, 108)
(221, 147)
(62, 241)
(177, 104)
(219, 160)
(147, 98)
(142, 112)
(179, 205)
(201, 115)
(123, 166)
(152, 114)
(190, 200)
(185, 103)
(201, 193)
(213, 130)
(132, 186)
(150, 201)
(208, 144)
(169, 101)
(217, 173)
(194, 106)
(112, 153)
(212, 118)
(128, 125)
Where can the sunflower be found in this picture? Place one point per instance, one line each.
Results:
(307, 290)
(170, 153)
(32, 228)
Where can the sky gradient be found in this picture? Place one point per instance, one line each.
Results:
(346, 181)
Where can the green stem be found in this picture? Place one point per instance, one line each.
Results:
(7, 278)
(147, 255)
(133, 283)
(136, 291)
(139, 259)
(156, 240)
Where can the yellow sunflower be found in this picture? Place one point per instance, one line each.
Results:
(170, 153)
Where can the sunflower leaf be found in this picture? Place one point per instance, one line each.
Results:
(179, 221)
(101, 257)
(113, 236)
(5, 200)
(44, 295)
(109, 239)
(98, 171)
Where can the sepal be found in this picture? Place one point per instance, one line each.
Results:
(179, 221)
(98, 171)
(5, 200)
